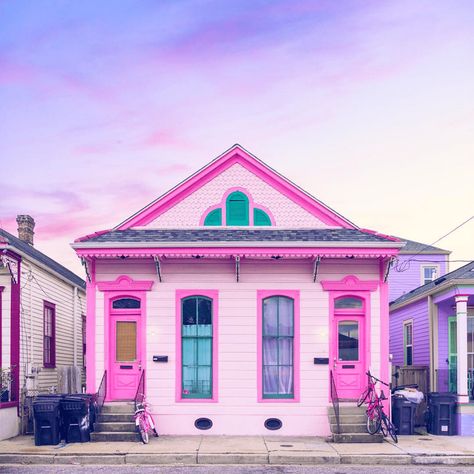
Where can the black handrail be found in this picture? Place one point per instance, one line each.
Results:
(102, 392)
(335, 403)
(140, 395)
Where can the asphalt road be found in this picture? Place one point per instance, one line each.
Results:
(55, 469)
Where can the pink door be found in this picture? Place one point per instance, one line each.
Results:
(124, 357)
(349, 365)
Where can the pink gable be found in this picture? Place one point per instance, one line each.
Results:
(187, 204)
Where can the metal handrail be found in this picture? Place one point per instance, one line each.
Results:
(335, 403)
(140, 394)
(102, 391)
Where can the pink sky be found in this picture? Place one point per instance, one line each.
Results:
(368, 105)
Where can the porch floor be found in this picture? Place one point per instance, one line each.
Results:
(418, 449)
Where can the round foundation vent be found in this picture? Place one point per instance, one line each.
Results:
(273, 424)
(203, 424)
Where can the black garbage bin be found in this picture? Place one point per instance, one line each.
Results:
(75, 417)
(403, 415)
(442, 413)
(46, 412)
(93, 406)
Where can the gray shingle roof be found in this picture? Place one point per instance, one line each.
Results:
(34, 253)
(412, 246)
(465, 272)
(237, 235)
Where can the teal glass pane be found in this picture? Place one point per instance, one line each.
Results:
(261, 218)
(270, 316)
(214, 218)
(237, 209)
(189, 351)
(189, 380)
(285, 316)
(204, 380)
(204, 351)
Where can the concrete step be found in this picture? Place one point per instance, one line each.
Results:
(128, 408)
(348, 410)
(357, 438)
(113, 436)
(114, 426)
(350, 428)
(108, 417)
(349, 419)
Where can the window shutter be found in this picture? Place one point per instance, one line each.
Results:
(260, 218)
(237, 209)
(214, 218)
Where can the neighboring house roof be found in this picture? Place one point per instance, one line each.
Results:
(463, 273)
(216, 235)
(412, 246)
(235, 154)
(14, 243)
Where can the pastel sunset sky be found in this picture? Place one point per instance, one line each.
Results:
(368, 105)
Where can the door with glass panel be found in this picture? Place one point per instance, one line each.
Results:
(124, 357)
(349, 355)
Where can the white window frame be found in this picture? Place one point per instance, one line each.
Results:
(408, 322)
(422, 272)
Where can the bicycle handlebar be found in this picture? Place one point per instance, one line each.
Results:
(375, 378)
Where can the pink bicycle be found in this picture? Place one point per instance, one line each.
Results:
(144, 421)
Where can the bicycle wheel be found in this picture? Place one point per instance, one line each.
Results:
(373, 422)
(363, 397)
(390, 428)
(143, 430)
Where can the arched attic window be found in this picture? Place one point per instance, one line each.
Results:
(260, 218)
(237, 209)
(126, 303)
(348, 302)
(214, 218)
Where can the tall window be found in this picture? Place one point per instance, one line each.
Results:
(408, 342)
(237, 209)
(278, 347)
(428, 273)
(49, 335)
(196, 347)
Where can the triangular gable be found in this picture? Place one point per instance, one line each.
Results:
(236, 155)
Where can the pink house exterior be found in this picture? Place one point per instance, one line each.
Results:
(234, 295)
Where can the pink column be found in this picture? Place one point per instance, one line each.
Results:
(90, 331)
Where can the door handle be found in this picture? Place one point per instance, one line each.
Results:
(140, 366)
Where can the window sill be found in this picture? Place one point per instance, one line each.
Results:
(8, 405)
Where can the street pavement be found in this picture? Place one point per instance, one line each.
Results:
(422, 450)
(232, 470)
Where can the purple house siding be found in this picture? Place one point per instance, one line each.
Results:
(418, 312)
(401, 282)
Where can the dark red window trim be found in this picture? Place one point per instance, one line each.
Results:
(49, 360)
(84, 345)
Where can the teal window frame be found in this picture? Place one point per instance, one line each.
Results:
(197, 338)
(278, 337)
(237, 196)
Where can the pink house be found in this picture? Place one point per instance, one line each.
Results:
(231, 298)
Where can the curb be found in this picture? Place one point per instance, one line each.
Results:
(276, 458)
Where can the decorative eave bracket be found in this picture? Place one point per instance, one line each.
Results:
(12, 266)
(237, 268)
(85, 263)
(158, 268)
(317, 261)
(387, 269)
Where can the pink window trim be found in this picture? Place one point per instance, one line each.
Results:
(1, 340)
(223, 207)
(214, 296)
(295, 296)
(235, 155)
(52, 349)
(91, 295)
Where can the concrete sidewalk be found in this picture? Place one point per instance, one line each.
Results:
(188, 450)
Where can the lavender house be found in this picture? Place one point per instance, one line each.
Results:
(416, 265)
(433, 325)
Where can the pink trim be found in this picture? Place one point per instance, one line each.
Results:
(125, 283)
(350, 283)
(386, 236)
(223, 206)
(1, 316)
(295, 295)
(109, 313)
(90, 331)
(52, 350)
(8, 405)
(235, 155)
(214, 295)
(334, 252)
